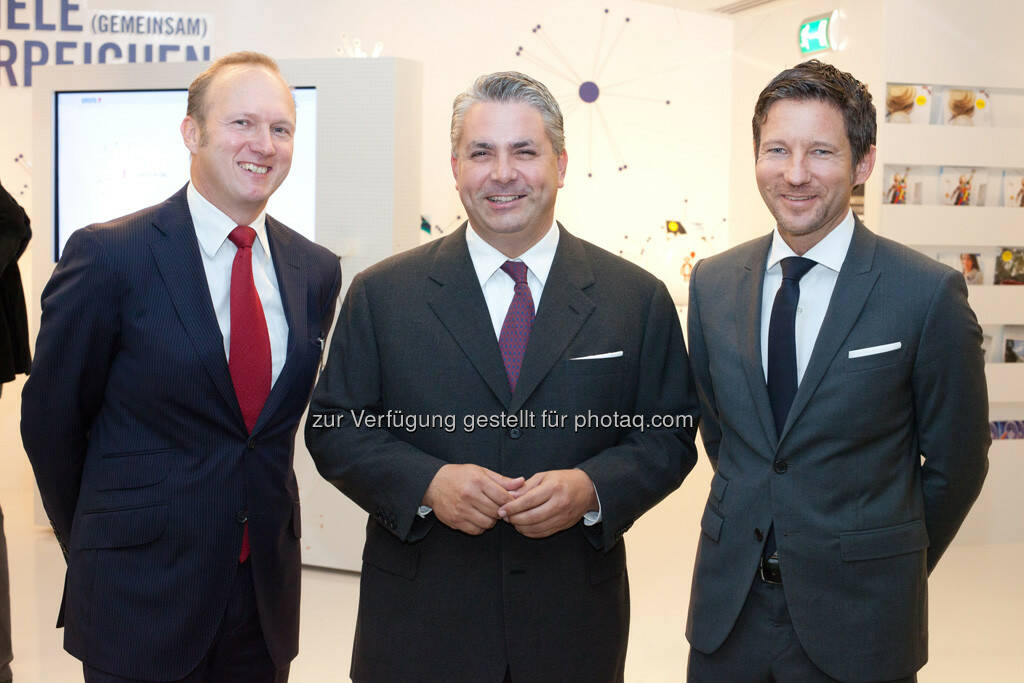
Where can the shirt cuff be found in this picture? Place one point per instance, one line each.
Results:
(594, 516)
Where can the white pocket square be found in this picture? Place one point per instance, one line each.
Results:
(875, 350)
(599, 356)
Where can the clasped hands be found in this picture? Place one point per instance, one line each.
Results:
(472, 499)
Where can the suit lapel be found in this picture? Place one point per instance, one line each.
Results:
(748, 324)
(854, 284)
(458, 302)
(564, 307)
(176, 252)
(291, 282)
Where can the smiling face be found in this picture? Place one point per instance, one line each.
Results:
(243, 151)
(805, 170)
(507, 174)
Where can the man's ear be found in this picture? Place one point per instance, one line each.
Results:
(563, 163)
(191, 134)
(864, 166)
(455, 170)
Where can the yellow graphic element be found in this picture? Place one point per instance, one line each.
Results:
(921, 100)
(980, 104)
(1007, 256)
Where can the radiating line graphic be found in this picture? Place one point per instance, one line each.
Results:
(21, 161)
(588, 93)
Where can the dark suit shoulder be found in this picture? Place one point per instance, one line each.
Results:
(124, 227)
(605, 263)
(892, 254)
(411, 263)
(303, 243)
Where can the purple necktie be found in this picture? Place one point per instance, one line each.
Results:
(515, 331)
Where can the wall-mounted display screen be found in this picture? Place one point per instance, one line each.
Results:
(118, 151)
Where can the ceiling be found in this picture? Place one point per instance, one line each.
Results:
(721, 6)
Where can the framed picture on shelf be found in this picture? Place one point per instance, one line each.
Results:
(970, 266)
(1006, 429)
(1009, 266)
(966, 107)
(962, 186)
(1013, 350)
(908, 103)
(1013, 188)
(909, 184)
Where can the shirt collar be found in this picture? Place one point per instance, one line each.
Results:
(829, 252)
(487, 260)
(213, 225)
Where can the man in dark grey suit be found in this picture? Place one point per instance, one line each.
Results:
(504, 402)
(844, 412)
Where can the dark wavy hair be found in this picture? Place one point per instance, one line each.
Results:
(815, 80)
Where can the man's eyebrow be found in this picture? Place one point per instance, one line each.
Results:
(479, 144)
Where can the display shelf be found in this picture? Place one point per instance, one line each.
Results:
(968, 226)
(1007, 448)
(989, 521)
(924, 145)
(998, 305)
(1004, 383)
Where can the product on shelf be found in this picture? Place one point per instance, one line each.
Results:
(908, 103)
(962, 107)
(1010, 266)
(1006, 429)
(1013, 188)
(961, 186)
(1013, 351)
(971, 268)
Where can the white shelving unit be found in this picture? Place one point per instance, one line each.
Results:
(936, 228)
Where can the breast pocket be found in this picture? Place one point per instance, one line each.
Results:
(593, 384)
(120, 528)
(866, 357)
(132, 469)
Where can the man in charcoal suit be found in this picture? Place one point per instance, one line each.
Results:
(844, 411)
(494, 544)
(177, 351)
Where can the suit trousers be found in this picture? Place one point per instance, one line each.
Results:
(762, 648)
(239, 652)
(6, 652)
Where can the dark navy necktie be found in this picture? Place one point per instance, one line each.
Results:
(782, 382)
(515, 331)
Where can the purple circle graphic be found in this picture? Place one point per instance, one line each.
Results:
(589, 92)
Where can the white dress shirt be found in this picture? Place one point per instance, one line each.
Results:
(496, 284)
(815, 289)
(218, 253)
(499, 289)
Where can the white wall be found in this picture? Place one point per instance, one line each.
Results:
(765, 44)
(674, 152)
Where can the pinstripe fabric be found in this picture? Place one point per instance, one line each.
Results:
(144, 462)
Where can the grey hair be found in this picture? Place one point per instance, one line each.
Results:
(510, 86)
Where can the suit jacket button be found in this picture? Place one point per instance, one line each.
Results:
(758, 535)
(780, 466)
(251, 445)
(515, 433)
(242, 517)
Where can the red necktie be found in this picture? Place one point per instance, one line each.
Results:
(515, 331)
(249, 352)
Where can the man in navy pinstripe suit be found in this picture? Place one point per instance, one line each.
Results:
(167, 478)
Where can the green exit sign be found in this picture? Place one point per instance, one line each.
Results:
(814, 35)
(821, 33)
